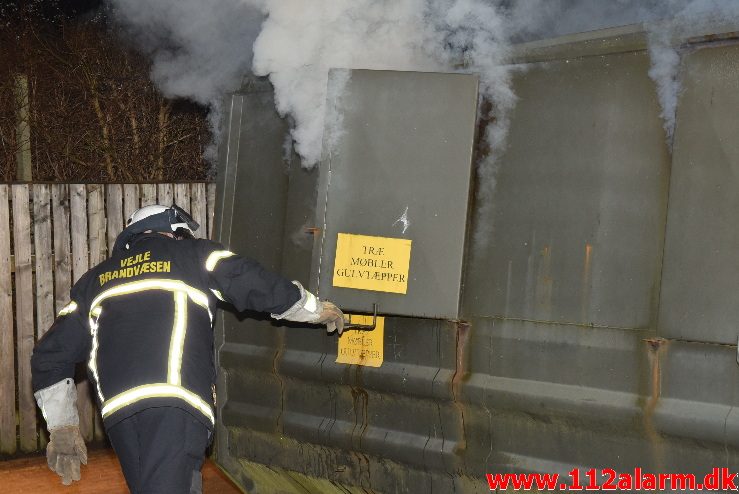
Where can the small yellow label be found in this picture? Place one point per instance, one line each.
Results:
(372, 263)
(362, 347)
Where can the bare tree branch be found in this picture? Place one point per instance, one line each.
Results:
(95, 115)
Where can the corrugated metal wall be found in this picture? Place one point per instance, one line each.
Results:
(598, 325)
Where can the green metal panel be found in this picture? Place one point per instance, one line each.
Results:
(406, 141)
(580, 202)
(701, 278)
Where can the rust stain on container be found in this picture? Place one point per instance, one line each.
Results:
(360, 403)
(656, 347)
(280, 349)
(712, 38)
(461, 374)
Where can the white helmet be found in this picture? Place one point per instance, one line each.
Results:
(157, 218)
(179, 218)
(145, 212)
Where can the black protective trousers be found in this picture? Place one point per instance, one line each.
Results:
(161, 450)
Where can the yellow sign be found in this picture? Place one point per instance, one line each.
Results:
(362, 347)
(372, 263)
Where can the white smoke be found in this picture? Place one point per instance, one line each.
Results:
(535, 19)
(202, 48)
(665, 65)
(333, 121)
(300, 42)
(668, 24)
(686, 17)
(540, 19)
(199, 49)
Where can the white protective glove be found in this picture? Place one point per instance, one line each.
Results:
(310, 309)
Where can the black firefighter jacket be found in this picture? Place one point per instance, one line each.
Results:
(143, 322)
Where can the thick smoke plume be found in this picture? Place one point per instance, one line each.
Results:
(202, 48)
(664, 72)
(297, 50)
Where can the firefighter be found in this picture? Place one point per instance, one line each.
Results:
(143, 320)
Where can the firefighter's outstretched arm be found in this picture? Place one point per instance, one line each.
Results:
(247, 285)
(309, 309)
(52, 366)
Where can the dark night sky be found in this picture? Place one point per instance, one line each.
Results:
(50, 8)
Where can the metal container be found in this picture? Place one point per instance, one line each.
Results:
(596, 304)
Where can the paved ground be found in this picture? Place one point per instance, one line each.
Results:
(101, 475)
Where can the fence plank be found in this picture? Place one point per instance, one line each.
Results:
(130, 200)
(7, 357)
(165, 194)
(182, 196)
(43, 250)
(211, 208)
(199, 209)
(43, 266)
(114, 211)
(96, 223)
(62, 261)
(148, 194)
(62, 257)
(80, 252)
(24, 316)
(80, 265)
(96, 231)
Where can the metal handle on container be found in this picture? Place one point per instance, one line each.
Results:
(363, 327)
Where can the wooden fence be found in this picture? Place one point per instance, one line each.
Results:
(50, 235)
